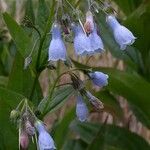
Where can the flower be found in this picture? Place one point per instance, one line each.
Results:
(45, 141)
(57, 49)
(81, 109)
(82, 44)
(89, 24)
(122, 35)
(96, 41)
(24, 140)
(99, 78)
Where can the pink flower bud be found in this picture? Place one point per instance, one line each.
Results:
(24, 140)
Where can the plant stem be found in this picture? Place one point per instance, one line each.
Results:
(40, 50)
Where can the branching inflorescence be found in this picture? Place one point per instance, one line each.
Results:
(86, 41)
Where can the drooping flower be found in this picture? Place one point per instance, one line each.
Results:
(45, 141)
(24, 140)
(89, 24)
(96, 41)
(82, 44)
(99, 78)
(81, 109)
(122, 35)
(57, 49)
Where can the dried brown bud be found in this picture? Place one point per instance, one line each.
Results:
(29, 128)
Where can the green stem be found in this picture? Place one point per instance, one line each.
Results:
(40, 50)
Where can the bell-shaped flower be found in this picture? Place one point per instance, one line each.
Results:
(45, 141)
(82, 44)
(81, 109)
(57, 49)
(96, 41)
(122, 35)
(89, 24)
(99, 78)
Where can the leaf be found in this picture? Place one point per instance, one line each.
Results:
(22, 81)
(59, 97)
(62, 128)
(20, 38)
(29, 11)
(128, 6)
(111, 105)
(3, 80)
(114, 136)
(74, 145)
(129, 85)
(42, 14)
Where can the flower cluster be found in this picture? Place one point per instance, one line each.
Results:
(86, 39)
(28, 125)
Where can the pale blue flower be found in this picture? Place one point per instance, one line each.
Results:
(57, 49)
(96, 41)
(122, 35)
(45, 141)
(99, 78)
(82, 43)
(81, 109)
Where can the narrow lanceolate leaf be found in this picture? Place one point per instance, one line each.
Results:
(113, 136)
(131, 86)
(59, 97)
(19, 36)
(111, 104)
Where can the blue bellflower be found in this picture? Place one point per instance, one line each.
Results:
(81, 109)
(82, 44)
(45, 141)
(99, 78)
(96, 41)
(122, 35)
(57, 49)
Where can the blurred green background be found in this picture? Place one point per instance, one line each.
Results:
(123, 124)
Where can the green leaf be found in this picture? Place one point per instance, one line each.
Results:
(22, 81)
(29, 11)
(42, 14)
(114, 136)
(128, 6)
(74, 145)
(20, 38)
(60, 96)
(111, 105)
(3, 80)
(62, 129)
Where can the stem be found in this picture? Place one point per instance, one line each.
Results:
(40, 49)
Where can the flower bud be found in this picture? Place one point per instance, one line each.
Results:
(89, 24)
(94, 101)
(24, 140)
(29, 128)
(99, 78)
(14, 114)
